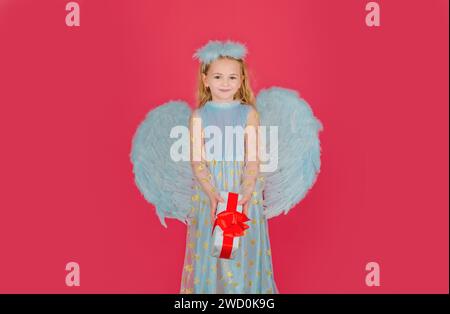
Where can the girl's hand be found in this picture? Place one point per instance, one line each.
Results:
(214, 198)
(245, 202)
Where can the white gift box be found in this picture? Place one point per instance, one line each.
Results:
(226, 247)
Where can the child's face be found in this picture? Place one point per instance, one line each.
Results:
(224, 79)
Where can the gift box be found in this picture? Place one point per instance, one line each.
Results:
(228, 227)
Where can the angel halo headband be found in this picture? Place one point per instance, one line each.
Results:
(215, 49)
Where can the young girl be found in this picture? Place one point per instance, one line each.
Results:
(226, 99)
(187, 188)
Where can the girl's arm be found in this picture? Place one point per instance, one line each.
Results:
(251, 170)
(199, 166)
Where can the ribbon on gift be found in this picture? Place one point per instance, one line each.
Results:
(232, 224)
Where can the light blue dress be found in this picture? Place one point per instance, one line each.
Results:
(251, 270)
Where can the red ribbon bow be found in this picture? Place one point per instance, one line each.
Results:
(232, 223)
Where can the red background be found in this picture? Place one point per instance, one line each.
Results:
(72, 98)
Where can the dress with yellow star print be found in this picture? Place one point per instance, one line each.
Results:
(251, 270)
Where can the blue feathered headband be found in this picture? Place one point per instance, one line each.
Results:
(215, 49)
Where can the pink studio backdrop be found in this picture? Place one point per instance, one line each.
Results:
(71, 99)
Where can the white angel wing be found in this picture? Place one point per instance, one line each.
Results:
(165, 183)
(298, 148)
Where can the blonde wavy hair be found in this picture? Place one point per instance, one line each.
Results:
(245, 93)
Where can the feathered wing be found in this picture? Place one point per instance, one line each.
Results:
(298, 148)
(163, 182)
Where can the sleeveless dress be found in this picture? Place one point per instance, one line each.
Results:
(251, 270)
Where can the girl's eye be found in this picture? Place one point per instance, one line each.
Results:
(216, 77)
(233, 78)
